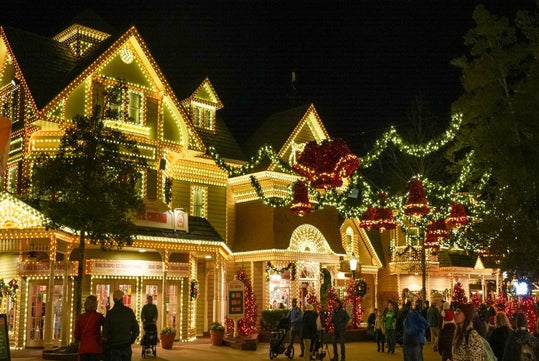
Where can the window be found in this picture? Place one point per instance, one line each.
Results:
(12, 180)
(199, 201)
(125, 105)
(203, 118)
(135, 104)
(10, 102)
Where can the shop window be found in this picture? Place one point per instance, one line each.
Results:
(199, 200)
(279, 289)
(171, 305)
(134, 107)
(102, 291)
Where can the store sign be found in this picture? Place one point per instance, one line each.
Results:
(176, 220)
(44, 269)
(124, 268)
(236, 299)
(176, 269)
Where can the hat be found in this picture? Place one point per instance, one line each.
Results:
(309, 307)
(448, 315)
(468, 309)
(117, 295)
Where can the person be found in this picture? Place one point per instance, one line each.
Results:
(370, 324)
(413, 337)
(390, 322)
(467, 343)
(121, 329)
(445, 339)
(88, 331)
(339, 318)
(296, 325)
(500, 334)
(435, 320)
(521, 345)
(379, 331)
(148, 314)
(309, 329)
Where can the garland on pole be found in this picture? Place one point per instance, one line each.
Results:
(9, 289)
(355, 291)
(246, 325)
(271, 269)
(194, 290)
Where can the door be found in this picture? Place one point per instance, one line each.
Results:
(151, 288)
(37, 299)
(172, 305)
(104, 288)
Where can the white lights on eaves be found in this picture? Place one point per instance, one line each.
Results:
(126, 55)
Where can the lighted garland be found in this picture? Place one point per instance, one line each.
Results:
(271, 269)
(355, 291)
(9, 289)
(194, 290)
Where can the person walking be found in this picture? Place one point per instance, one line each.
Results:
(88, 331)
(379, 331)
(340, 318)
(435, 321)
(121, 329)
(413, 337)
(467, 343)
(296, 326)
(309, 329)
(445, 340)
(500, 334)
(521, 345)
(390, 322)
(148, 314)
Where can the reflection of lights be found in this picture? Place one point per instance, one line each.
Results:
(208, 256)
(142, 250)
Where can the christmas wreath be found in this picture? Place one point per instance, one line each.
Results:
(194, 290)
(357, 288)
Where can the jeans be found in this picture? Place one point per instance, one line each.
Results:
(338, 338)
(120, 353)
(391, 340)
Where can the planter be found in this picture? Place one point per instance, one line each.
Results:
(167, 339)
(216, 337)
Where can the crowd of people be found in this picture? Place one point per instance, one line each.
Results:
(457, 331)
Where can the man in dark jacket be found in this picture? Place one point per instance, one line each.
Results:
(120, 330)
(340, 319)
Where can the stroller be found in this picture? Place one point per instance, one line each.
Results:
(149, 340)
(317, 348)
(278, 344)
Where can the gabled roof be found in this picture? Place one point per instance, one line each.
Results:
(448, 258)
(15, 213)
(199, 229)
(224, 142)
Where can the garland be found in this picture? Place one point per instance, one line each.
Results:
(194, 290)
(271, 269)
(357, 288)
(9, 289)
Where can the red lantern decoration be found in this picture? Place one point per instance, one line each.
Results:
(416, 202)
(325, 165)
(367, 218)
(301, 204)
(457, 216)
(384, 219)
(436, 230)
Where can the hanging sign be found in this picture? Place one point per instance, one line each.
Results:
(4, 339)
(236, 299)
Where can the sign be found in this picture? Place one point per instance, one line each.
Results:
(236, 299)
(4, 339)
(125, 268)
(176, 220)
(36, 268)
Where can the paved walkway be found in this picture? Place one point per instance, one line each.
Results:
(203, 350)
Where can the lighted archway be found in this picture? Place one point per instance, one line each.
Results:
(307, 238)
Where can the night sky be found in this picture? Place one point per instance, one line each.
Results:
(360, 62)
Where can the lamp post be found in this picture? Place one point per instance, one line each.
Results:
(353, 265)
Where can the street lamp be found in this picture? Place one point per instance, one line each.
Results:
(353, 265)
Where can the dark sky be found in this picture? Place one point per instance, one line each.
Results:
(360, 62)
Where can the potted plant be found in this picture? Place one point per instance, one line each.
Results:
(168, 334)
(217, 333)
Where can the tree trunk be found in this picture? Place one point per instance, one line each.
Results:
(77, 293)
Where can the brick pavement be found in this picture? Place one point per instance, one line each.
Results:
(203, 350)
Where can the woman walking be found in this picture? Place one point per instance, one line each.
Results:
(467, 343)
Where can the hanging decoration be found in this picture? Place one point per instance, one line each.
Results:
(325, 165)
(271, 269)
(457, 216)
(436, 230)
(194, 290)
(300, 204)
(367, 219)
(416, 201)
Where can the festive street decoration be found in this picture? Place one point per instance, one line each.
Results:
(416, 201)
(367, 219)
(458, 293)
(325, 165)
(301, 204)
(9, 289)
(194, 290)
(436, 230)
(457, 217)
(355, 291)
(270, 268)
(246, 325)
(330, 307)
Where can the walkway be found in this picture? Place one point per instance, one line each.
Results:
(203, 350)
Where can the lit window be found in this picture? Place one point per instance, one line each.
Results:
(125, 106)
(9, 96)
(12, 180)
(135, 105)
(199, 201)
(203, 118)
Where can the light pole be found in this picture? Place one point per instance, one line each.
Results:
(353, 265)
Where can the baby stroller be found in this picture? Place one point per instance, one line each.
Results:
(318, 352)
(149, 340)
(278, 344)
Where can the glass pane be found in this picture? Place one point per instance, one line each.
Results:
(126, 288)
(171, 305)
(57, 312)
(38, 295)
(280, 290)
(102, 292)
(152, 290)
(134, 107)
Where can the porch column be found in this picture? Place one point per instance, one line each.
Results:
(49, 317)
(376, 290)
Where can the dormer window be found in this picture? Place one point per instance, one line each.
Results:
(9, 98)
(203, 117)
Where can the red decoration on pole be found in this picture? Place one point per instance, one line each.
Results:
(416, 202)
(457, 216)
(301, 204)
(325, 165)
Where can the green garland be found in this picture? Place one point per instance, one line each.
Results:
(271, 269)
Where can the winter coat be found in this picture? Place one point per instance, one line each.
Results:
(521, 346)
(88, 332)
(121, 326)
(497, 340)
(445, 340)
(309, 324)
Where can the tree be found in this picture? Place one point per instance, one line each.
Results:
(90, 186)
(500, 77)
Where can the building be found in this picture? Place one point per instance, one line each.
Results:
(214, 226)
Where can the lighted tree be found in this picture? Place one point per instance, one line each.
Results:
(459, 295)
(500, 77)
(90, 186)
(330, 307)
(527, 306)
